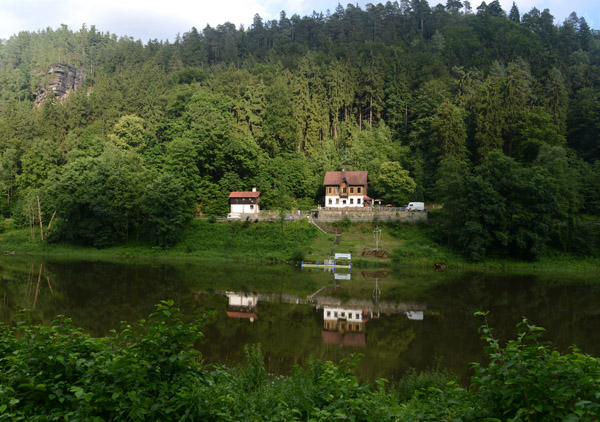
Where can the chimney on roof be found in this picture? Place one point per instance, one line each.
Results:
(253, 189)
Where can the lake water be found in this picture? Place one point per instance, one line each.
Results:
(396, 320)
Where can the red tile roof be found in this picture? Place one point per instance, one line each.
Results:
(334, 178)
(348, 339)
(354, 339)
(244, 194)
(330, 337)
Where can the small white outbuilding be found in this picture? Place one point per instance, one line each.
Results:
(245, 202)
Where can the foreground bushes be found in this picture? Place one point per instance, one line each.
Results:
(150, 372)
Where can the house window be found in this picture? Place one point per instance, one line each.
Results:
(251, 207)
(335, 314)
(358, 200)
(351, 190)
(343, 314)
(357, 316)
(330, 201)
(358, 190)
(337, 190)
(352, 200)
(344, 190)
(349, 327)
(344, 202)
(328, 313)
(337, 200)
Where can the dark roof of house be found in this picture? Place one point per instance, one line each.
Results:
(244, 194)
(352, 177)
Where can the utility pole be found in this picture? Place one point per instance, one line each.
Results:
(377, 236)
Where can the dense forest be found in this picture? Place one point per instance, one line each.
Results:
(492, 113)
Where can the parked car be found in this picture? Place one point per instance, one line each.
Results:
(234, 216)
(416, 206)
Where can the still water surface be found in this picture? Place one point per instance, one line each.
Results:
(397, 319)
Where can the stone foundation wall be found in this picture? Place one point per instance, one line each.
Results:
(369, 214)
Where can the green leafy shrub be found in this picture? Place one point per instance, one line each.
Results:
(344, 223)
(529, 380)
(150, 371)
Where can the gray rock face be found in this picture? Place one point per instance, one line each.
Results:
(64, 80)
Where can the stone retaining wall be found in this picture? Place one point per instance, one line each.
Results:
(369, 214)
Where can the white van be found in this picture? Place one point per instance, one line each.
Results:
(234, 216)
(416, 206)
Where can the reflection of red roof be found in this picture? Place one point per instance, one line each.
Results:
(244, 194)
(379, 200)
(231, 314)
(330, 337)
(349, 339)
(352, 177)
(388, 205)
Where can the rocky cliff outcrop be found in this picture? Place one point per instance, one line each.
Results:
(64, 79)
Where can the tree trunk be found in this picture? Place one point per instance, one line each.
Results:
(371, 110)
(51, 220)
(40, 215)
(31, 220)
(360, 118)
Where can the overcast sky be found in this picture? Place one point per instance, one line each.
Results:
(164, 19)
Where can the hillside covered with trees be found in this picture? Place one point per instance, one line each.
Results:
(493, 113)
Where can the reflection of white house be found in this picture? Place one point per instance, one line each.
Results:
(343, 326)
(345, 188)
(245, 202)
(240, 305)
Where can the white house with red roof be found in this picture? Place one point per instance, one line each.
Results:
(345, 188)
(245, 202)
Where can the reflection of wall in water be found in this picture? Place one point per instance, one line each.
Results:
(241, 305)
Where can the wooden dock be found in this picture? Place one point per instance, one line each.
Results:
(318, 265)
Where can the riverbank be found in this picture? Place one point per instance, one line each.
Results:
(400, 245)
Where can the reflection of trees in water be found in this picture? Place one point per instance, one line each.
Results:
(25, 289)
(30, 284)
(98, 295)
(567, 305)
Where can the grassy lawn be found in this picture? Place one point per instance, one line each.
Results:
(200, 240)
(354, 239)
(412, 245)
(406, 245)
